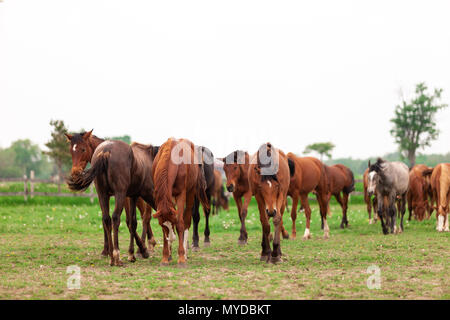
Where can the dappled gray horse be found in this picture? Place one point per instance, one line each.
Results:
(389, 181)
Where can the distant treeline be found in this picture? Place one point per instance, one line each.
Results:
(358, 166)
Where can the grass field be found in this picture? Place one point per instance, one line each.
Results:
(39, 240)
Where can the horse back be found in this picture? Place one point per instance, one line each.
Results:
(308, 173)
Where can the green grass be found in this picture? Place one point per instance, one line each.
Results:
(40, 239)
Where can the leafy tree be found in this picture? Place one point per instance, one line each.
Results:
(414, 122)
(27, 156)
(322, 148)
(58, 146)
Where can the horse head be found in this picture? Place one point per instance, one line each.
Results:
(233, 168)
(81, 150)
(375, 172)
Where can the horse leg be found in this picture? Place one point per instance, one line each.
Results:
(294, 214)
(403, 211)
(380, 215)
(341, 203)
(375, 209)
(146, 221)
(127, 205)
(265, 244)
(305, 205)
(185, 204)
(368, 202)
(323, 206)
(133, 231)
(410, 207)
(247, 199)
(238, 201)
(120, 202)
(106, 220)
(207, 231)
(196, 220)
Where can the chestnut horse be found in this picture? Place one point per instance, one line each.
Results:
(368, 198)
(340, 179)
(207, 159)
(236, 166)
(418, 193)
(220, 200)
(440, 184)
(269, 176)
(178, 175)
(309, 175)
(117, 170)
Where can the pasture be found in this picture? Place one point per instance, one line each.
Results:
(40, 239)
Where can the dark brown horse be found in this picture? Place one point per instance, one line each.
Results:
(368, 198)
(219, 199)
(236, 166)
(417, 196)
(207, 159)
(309, 176)
(340, 179)
(178, 176)
(269, 176)
(82, 149)
(117, 170)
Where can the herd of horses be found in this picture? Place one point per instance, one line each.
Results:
(175, 178)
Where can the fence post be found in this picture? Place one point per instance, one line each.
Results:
(25, 186)
(92, 193)
(31, 184)
(59, 183)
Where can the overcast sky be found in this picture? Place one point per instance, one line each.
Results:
(225, 74)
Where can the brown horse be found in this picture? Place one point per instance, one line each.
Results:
(178, 175)
(440, 184)
(309, 176)
(236, 166)
(368, 198)
(218, 196)
(340, 179)
(82, 149)
(117, 170)
(269, 176)
(418, 193)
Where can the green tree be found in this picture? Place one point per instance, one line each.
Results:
(414, 122)
(322, 148)
(27, 156)
(58, 146)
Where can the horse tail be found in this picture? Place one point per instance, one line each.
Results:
(83, 181)
(163, 196)
(427, 172)
(201, 188)
(291, 164)
(351, 187)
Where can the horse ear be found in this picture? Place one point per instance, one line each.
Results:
(369, 164)
(68, 136)
(155, 151)
(87, 135)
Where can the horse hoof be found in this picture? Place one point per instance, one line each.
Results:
(145, 254)
(182, 265)
(326, 236)
(207, 244)
(286, 236)
(131, 258)
(264, 258)
(164, 264)
(275, 260)
(195, 248)
(242, 242)
(293, 236)
(306, 237)
(170, 258)
(105, 253)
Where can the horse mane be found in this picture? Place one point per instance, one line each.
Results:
(377, 166)
(162, 197)
(234, 155)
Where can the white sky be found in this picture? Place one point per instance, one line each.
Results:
(224, 74)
